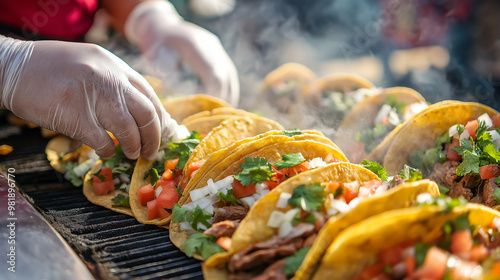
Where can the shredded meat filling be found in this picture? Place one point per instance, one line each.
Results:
(224, 228)
(231, 213)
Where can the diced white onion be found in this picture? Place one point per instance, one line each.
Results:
(201, 226)
(198, 193)
(83, 167)
(264, 192)
(181, 132)
(413, 109)
(209, 208)
(290, 214)
(116, 181)
(126, 187)
(497, 144)
(205, 202)
(340, 206)
(211, 187)
(363, 192)
(275, 219)
(393, 117)
(424, 197)
(383, 112)
(256, 196)
(353, 186)
(408, 252)
(381, 189)
(486, 119)
(190, 205)
(248, 200)
(283, 200)
(285, 228)
(261, 187)
(329, 157)
(332, 212)
(354, 202)
(185, 226)
(454, 130)
(399, 270)
(360, 94)
(125, 165)
(93, 156)
(465, 135)
(317, 162)
(124, 178)
(158, 190)
(494, 135)
(160, 156)
(496, 222)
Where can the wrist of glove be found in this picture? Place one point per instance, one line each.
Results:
(158, 30)
(82, 90)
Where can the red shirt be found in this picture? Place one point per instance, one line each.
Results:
(54, 19)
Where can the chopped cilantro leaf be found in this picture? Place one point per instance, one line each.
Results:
(496, 194)
(229, 197)
(181, 150)
(308, 197)
(293, 262)
(290, 160)
(443, 139)
(195, 135)
(492, 152)
(368, 137)
(497, 180)
(469, 164)
(420, 252)
(200, 243)
(75, 180)
(446, 202)
(254, 170)
(410, 174)
(292, 132)
(376, 168)
(297, 219)
(193, 216)
(443, 189)
(433, 155)
(393, 101)
(416, 159)
(153, 174)
(121, 200)
(461, 222)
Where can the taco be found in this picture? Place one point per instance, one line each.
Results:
(437, 240)
(71, 158)
(181, 160)
(180, 108)
(368, 123)
(286, 232)
(456, 145)
(226, 197)
(218, 111)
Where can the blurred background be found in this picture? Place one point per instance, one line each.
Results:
(445, 49)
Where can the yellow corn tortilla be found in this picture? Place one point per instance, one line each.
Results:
(219, 111)
(254, 229)
(273, 152)
(421, 130)
(357, 247)
(361, 117)
(102, 200)
(180, 108)
(71, 150)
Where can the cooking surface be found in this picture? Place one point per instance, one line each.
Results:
(110, 244)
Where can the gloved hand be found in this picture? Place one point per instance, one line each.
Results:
(82, 90)
(157, 29)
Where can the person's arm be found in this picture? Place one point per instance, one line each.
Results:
(156, 27)
(82, 90)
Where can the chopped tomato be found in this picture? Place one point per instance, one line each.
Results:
(240, 191)
(478, 253)
(305, 166)
(372, 185)
(349, 195)
(496, 120)
(103, 188)
(146, 193)
(177, 172)
(452, 155)
(178, 179)
(434, 266)
(171, 163)
(152, 209)
(489, 171)
(224, 242)
(334, 160)
(471, 128)
(278, 173)
(162, 213)
(183, 186)
(391, 255)
(193, 166)
(495, 270)
(168, 198)
(333, 186)
(461, 242)
(372, 271)
(166, 184)
(106, 173)
(410, 264)
(167, 175)
(272, 184)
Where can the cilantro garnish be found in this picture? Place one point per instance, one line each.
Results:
(121, 200)
(393, 101)
(293, 262)
(254, 170)
(496, 192)
(443, 189)
(290, 160)
(446, 202)
(292, 132)
(195, 135)
(153, 174)
(297, 219)
(308, 197)
(410, 174)
(461, 222)
(229, 197)
(420, 252)
(200, 243)
(181, 150)
(192, 216)
(376, 168)
(369, 136)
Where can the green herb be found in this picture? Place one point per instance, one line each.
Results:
(393, 101)
(292, 132)
(338, 191)
(153, 174)
(121, 200)
(192, 216)
(416, 159)
(195, 135)
(497, 180)
(446, 202)
(410, 174)
(431, 156)
(229, 197)
(308, 197)
(470, 163)
(100, 176)
(376, 168)
(448, 230)
(387, 269)
(200, 243)
(443, 189)
(254, 170)
(290, 160)
(297, 219)
(443, 139)
(420, 252)
(181, 150)
(461, 222)
(496, 193)
(115, 160)
(368, 137)
(293, 262)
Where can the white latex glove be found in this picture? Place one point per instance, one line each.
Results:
(82, 90)
(162, 35)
